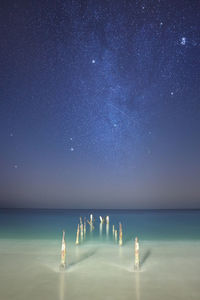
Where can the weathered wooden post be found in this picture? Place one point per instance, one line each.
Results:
(84, 226)
(101, 219)
(120, 234)
(137, 258)
(77, 235)
(91, 218)
(100, 228)
(113, 230)
(91, 222)
(81, 228)
(63, 252)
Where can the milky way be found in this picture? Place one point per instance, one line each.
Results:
(100, 89)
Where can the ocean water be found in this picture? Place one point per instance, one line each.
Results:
(30, 245)
(147, 225)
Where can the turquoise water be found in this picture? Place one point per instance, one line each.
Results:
(148, 225)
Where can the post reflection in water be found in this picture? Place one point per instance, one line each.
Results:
(116, 236)
(62, 286)
(107, 230)
(100, 229)
(137, 285)
(81, 232)
(77, 255)
(91, 228)
(121, 254)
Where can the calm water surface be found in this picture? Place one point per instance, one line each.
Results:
(148, 225)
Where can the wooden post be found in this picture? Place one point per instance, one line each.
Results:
(91, 222)
(100, 228)
(63, 252)
(102, 220)
(81, 228)
(137, 259)
(113, 229)
(107, 219)
(107, 229)
(77, 235)
(84, 226)
(91, 218)
(120, 234)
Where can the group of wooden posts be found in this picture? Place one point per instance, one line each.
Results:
(81, 231)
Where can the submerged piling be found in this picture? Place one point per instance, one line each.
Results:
(137, 260)
(77, 235)
(101, 219)
(113, 229)
(63, 252)
(81, 228)
(84, 229)
(91, 222)
(91, 218)
(107, 230)
(120, 234)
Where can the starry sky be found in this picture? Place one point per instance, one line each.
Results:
(100, 104)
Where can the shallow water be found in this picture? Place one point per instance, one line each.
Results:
(148, 225)
(30, 243)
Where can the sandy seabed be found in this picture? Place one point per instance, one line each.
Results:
(29, 269)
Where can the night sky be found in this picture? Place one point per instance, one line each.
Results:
(100, 104)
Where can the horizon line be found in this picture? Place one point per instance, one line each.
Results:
(122, 209)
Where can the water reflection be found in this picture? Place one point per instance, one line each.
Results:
(107, 230)
(91, 228)
(100, 229)
(137, 285)
(116, 236)
(62, 286)
(121, 254)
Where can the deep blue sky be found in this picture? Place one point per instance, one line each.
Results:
(100, 104)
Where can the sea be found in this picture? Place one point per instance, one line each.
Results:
(98, 267)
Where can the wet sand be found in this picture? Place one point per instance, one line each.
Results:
(29, 269)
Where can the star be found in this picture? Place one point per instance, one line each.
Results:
(71, 149)
(172, 93)
(183, 41)
(93, 61)
(115, 125)
(71, 139)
